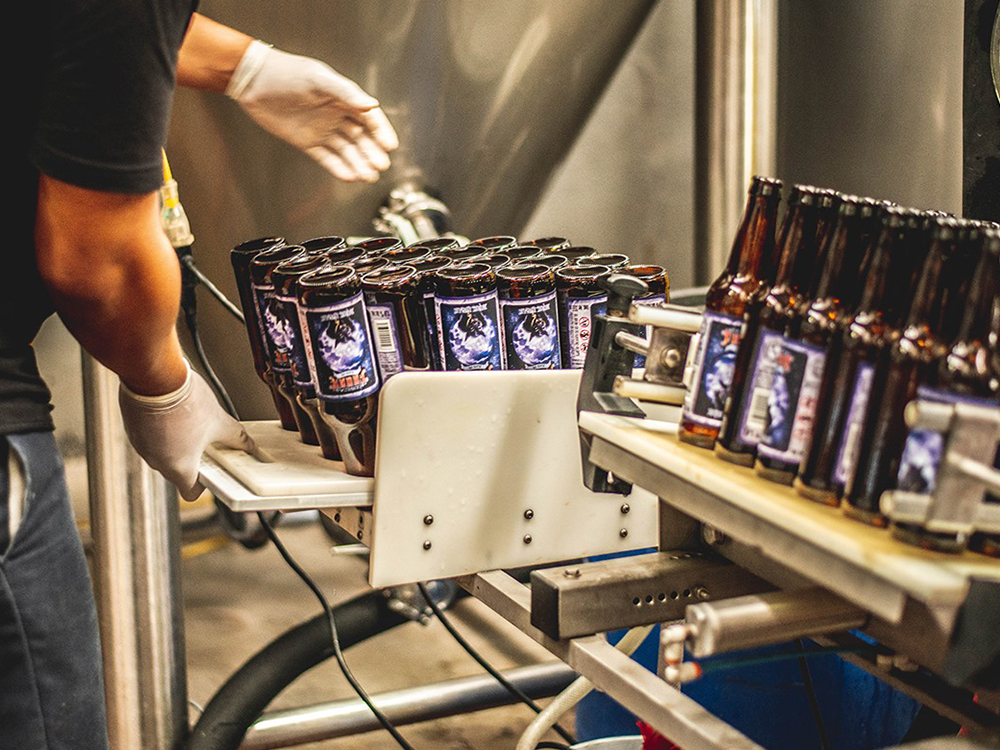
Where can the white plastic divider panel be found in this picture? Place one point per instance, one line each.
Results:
(284, 474)
(481, 470)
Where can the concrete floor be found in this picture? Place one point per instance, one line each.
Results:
(236, 601)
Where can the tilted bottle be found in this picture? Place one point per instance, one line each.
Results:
(426, 269)
(397, 321)
(750, 267)
(342, 359)
(580, 296)
(968, 373)
(905, 364)
(241, 256)
(467, 313)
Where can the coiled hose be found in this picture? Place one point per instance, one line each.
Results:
(245, 695)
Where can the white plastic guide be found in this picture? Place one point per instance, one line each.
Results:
(474, 471)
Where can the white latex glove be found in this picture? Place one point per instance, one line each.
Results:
(172, 431)
(308, 104)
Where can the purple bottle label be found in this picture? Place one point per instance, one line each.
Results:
(850, 438)
(469, 332)
(791, 405)
(298, 360)
(924, 449)
(718, 343)
(385, 337)
(753, 415)
(340, 350)
(275, 328)
(531, 333)
(579, 321)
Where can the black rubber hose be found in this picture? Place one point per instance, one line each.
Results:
(245, 695)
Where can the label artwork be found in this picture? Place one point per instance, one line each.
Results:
(275, 328)
(531, 334)
(654, 300)
(579, 325)
(847, 455)
(791, 405)
(386, 340)
(719, 341)
(755, 408)
(298, 360)
(340, 350)
(469, 332)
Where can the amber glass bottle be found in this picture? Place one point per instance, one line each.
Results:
(530, 317)
(467, 313)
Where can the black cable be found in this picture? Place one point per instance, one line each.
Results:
(187, 261)
(510, 687)
(210, 375)
(553, 745)
(334, 638)
(824, 742)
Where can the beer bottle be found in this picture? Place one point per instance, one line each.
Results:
(766, 313)
(426, 269)
(338, 344)
(573, 253)
(891, 272)
(989, 544)
(367, 263)
(436, 244)
(550, 244)
(379, 245)
(906, 364)
(613, 261)
(496, 261)
(324, 244)
(658, 284)
(530, 317)
(345, 255)
(276, 330)
(522, 252)
(404, 256)
(802, 360)
(821, 325)
(580, 296)
(968, 373)
(750, 267)
(467, 313)
(396, 318)
(456, 254)
(241, 256)
(495, 244)
(551, 260)
(300, 380)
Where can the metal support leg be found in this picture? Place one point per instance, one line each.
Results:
(135, 524)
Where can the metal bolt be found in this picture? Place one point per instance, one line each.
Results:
(712, 535)
(671, 358)
(625, 508)
(623, 533)
(572, 572)
(527, 538)
(529, 514)
(427, 544)
(361, 535)
(702, 593)
(336, 518)
(428, 520)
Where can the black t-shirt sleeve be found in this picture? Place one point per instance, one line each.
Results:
(107, 90)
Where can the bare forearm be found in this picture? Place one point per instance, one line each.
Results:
(114, 281)
(209, 54)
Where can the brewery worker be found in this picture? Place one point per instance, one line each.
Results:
(89, 115)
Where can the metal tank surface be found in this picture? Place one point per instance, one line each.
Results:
(487, 99)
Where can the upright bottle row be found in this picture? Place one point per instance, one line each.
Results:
(329, 322)
(818, 334)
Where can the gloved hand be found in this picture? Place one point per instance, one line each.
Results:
(172, 431)
(308, 104)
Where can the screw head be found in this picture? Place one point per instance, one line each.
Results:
(572, 573)
(427, 544)
(428, 519)
(529, 514)
(671, 358)
(336, 518)
(527, 538)
(712, 535)
(361, 535)
(623, 533)
(702, 593)
(625, 508)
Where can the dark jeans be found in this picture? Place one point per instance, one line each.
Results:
(51, 687)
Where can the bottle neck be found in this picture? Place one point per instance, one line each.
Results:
(756, 261)
(843, 256)
(800, 251)
(979, 317)
(909, 255)
(876, 271)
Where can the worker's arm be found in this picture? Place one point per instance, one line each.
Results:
(115, 282)
(301, 100)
